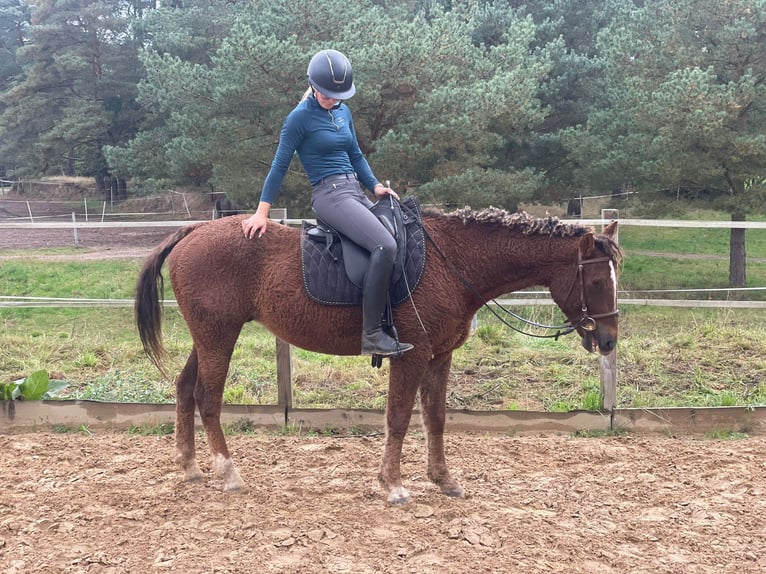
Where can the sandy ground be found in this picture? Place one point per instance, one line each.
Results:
(98, 243)
(115, 503)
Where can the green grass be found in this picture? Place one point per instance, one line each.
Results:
(152, 429)
(91, 279)
(725, 434)
(641, 271)
(666, 356)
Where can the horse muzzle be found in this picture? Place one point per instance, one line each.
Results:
(600, 339)
(595, 335)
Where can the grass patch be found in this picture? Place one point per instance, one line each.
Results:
(666, 356)
(685, 269)
(71, 429)
(152, 429)
(241, 426)
(725, 434)
(69, 279)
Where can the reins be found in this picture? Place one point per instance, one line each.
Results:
(587, 321)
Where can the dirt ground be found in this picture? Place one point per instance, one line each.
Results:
(101, 243)
(114, 503)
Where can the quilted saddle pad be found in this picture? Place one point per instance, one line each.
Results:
(324, 273)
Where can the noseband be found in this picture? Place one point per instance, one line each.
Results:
(587, 321)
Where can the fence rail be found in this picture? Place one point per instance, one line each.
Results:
(718, 224)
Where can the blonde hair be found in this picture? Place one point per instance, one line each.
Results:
(307, 93)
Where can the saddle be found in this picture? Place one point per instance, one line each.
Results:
(333, 266)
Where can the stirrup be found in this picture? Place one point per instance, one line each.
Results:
(380, 343)
(376, 360)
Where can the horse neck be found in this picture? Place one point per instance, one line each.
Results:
(501, 261)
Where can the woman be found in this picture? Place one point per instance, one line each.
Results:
(321, 130)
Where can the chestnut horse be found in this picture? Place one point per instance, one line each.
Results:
(223, 280)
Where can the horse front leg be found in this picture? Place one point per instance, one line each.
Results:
(433, 399)
(185, 405)
(208, 393)
(402, 388)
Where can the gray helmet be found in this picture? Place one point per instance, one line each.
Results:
(330, 73)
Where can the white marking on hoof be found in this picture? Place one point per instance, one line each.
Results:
(398, 496)
(224, 467)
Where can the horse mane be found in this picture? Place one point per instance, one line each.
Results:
(525, 224)
(519, 221)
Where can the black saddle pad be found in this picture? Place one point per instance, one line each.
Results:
(324, 273)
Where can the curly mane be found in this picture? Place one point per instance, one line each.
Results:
(520, 221)
(525, 224)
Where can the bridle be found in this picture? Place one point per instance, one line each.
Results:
(587, 321)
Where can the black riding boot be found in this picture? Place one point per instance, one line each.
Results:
(375, 341)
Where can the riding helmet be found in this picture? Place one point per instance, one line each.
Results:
(330, 73)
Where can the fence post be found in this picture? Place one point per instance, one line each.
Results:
(284, 351)
(284, 375)
(74, 228)
(278, 213)
(186, 205)
(609, 362)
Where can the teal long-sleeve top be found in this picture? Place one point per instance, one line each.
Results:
(326, 144)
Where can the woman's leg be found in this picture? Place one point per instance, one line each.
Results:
(346, 209)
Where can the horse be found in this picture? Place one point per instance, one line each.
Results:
(223, 280)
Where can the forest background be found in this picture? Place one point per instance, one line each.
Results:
(658, 103)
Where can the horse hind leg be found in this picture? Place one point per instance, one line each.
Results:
(433, 398)
(212, 369)
(185, 448)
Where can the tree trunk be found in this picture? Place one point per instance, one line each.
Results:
(69, 169)
(737, 254)
(122, 188)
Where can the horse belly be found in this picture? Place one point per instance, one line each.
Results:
(298, 320)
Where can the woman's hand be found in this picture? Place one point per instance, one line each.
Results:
(255, 225)
(383, 190)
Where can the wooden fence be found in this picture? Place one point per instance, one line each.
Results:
(608, 366)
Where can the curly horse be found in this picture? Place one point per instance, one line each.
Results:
(223, 280)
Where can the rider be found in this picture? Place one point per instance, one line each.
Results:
(321, 130)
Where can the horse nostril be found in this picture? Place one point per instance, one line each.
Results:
(608, 346)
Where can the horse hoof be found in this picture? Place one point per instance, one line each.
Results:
(455, 491)
(398, 496)
(234, 484)
(193, 474)
(234, 488)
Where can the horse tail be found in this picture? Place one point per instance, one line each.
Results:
(149, 289)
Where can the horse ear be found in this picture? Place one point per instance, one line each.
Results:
(587, 244)
(610, 229)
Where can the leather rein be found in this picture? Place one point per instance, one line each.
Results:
(587, 321)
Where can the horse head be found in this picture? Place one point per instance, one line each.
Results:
(588, 296)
